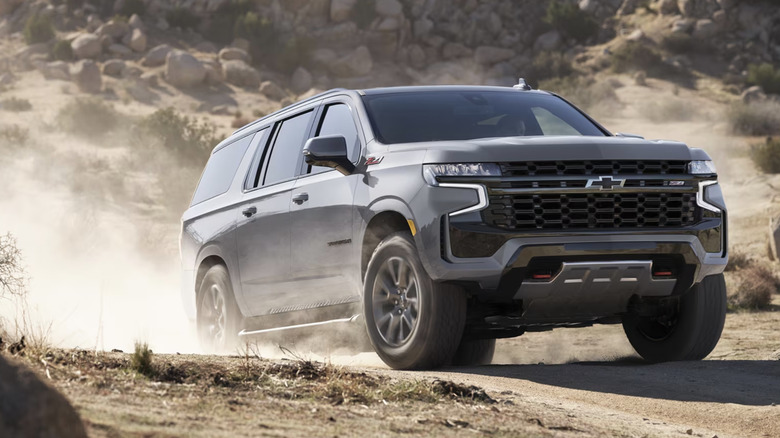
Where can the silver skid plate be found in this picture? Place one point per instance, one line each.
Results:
(594, 289)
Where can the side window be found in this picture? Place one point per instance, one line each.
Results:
(338, 121)
(220, 170)
(287, 148)
(552, 124)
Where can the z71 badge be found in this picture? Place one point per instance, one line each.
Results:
(373, 160)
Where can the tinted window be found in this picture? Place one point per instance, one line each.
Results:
(465, 115)
(220, 170)
(338, 121)
(287, 148)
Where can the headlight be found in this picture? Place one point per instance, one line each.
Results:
(701, 168)
(431, 171)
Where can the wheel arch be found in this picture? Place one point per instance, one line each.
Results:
(380, 226)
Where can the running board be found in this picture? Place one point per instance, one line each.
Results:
(352, 318)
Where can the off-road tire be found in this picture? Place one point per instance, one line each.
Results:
(216, 283)
(441, 312)
(697, 329)
(475, 352)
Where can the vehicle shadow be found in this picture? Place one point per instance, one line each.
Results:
(743, 382)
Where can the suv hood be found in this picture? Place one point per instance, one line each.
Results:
(551, 148)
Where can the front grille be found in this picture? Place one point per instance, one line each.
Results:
(539, 195)
(591, 210)
(597, 167)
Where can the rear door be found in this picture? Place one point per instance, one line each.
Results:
(263, 223)
(323, 253)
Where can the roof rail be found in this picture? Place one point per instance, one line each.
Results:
(309, 99)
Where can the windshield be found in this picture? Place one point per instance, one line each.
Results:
(409, 117)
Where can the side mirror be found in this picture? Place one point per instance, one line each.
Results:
(328, 151)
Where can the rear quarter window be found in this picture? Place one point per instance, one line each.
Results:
(220, 170)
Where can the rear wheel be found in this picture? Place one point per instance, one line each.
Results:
(219, 319)
(475, 352)
(412, 322)
(689, 331)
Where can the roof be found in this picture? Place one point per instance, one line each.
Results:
(428, 88)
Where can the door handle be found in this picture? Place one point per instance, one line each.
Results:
(249, 211)
(300, 198)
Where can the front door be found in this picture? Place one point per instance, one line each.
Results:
(323, 253)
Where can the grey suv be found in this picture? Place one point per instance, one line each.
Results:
(443, 218)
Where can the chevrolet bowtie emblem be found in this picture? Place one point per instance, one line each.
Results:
(605, 183)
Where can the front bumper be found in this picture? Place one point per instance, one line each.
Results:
(494, 257)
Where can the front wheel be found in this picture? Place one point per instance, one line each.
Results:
(689, 331)
(412, 321)
(219, 318)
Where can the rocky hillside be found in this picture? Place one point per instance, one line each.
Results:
(278, 50)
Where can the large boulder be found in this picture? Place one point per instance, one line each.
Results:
(114, 67)
(273, 91)
(389, 8)
(31, 408)
(156, 56)
(138, 40)
(115, 29)
(340, 10)
(56, 70)
(7, 6)
(301, 80)
(183, 70)
(238, 72)
(356, 63)
(86, 46)
(86, 75)
(231, 53)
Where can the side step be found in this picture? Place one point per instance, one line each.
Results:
(352, 318)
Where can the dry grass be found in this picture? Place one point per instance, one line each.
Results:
(756, 118)
(766, 155)
(288, 380)
(752, 288)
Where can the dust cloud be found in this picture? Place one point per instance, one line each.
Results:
(94, 283)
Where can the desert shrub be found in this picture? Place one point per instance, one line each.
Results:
(141, 359)
(182, 18)
(130, 7)
(15, 104)
(12, 275)
(765, 75)
(222, 25)
(38, 29)
(62, 51)
(255, 29)
(587, 93)
(738, 260)
(766, 155)
(14, 135)
(87, 117)
(633, 55)
(755, 118)
(678, 43)
(753, 288)
(295, 51)
(363, 13)
(548, 65)
(567, 18)
(185, 137)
